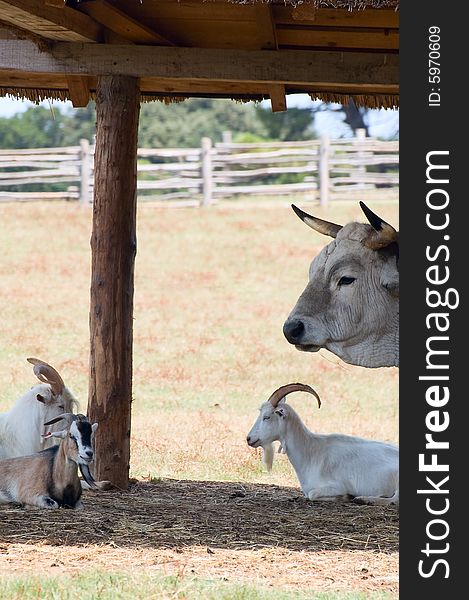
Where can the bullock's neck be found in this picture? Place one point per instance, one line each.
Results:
(381, 352)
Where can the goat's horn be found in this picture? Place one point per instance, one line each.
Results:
(47, 374)
(69, 417)
(86, 473)
(288, 389)
(325, 227)
(383, 234)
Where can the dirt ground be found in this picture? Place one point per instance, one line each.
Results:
(259, 533)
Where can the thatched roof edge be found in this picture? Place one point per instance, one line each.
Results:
(369, 101)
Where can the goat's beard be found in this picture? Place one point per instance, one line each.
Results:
(268, 456)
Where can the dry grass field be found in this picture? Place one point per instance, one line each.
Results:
(213, 288)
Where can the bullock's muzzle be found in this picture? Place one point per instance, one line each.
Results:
(293, 330)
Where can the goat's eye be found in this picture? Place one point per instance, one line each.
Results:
(346, 280)
(61, 406)
(266, 418)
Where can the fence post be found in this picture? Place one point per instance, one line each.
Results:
(324, 150)
(227, 137)
(206, 172)
(85, 173)
(360, 136)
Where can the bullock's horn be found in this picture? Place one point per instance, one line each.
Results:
(288, 389)
(383, 234)
(47, 374)
(325, 227)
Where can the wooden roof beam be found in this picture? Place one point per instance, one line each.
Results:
(278, 99)
(56, 3)
(121, 23)
(79, 89)
(50, 22)
(298, 68)
(265, 23)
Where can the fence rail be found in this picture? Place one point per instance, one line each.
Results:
(322, 169)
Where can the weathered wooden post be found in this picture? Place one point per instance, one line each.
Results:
(324, 150)
(206, 157)
(113, 249)
(85, 172)
(360, 135)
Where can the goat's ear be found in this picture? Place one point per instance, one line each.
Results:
(45, 398)
(280, 412)
(59, 434)
(94, 427)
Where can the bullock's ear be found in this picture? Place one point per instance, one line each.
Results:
(390, 279)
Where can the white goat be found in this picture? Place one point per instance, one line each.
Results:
(329, 467)
(49, 479)
(21, 427)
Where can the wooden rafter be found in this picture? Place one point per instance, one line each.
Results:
(265, 24)
(121, 23)
(79, 89)
(56, 3)
(297, 68)
(267, 36)
(336, 17)
(311, 36)
(50, 22)
(278, 99)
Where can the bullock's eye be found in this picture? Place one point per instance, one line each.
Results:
(266, 418)
(346, 280)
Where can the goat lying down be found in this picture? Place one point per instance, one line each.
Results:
(21, 428)
(329, 467)
(49, 479)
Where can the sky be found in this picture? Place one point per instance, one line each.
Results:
(383, 123)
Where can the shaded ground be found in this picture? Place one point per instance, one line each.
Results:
(230, 530)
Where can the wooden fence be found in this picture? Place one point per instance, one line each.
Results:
(321, 170)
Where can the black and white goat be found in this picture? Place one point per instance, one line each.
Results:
(329, 467)
(49, 479)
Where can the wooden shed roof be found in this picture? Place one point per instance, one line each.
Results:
(331, 49)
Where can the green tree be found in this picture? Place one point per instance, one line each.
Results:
(183, 124)
(292, 124)
(37, 127)
(79, 123)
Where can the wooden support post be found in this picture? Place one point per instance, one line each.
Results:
(85, 173)
(206, 156)
(324, 150)
(113, 249)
